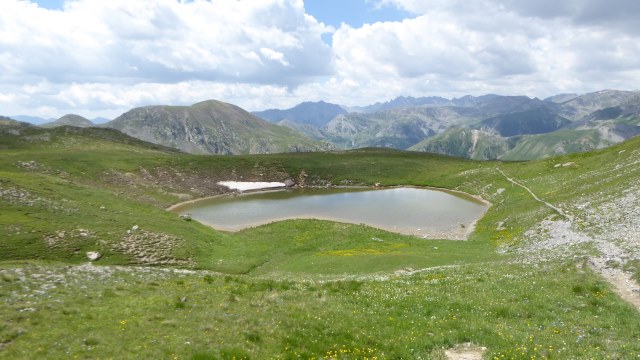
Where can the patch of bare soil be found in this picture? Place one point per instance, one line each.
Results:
(466, 351)
(184, 184)
(620, 281)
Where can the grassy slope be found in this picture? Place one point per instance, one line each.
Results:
(70, 120)
(341, 298)
(211, 127)
(459, 142)
(557, 142)
(516, 311)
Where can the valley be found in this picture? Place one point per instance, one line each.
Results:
(487, 127)
(531, 280)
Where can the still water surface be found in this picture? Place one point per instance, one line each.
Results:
(415, 211)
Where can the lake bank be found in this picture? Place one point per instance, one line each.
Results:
(423, 212)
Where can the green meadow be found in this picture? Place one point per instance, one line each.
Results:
(298, 289)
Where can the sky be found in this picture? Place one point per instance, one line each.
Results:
(99, 58)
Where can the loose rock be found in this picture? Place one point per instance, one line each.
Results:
(93, 255)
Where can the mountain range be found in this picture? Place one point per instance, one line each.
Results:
(36, 120)
(486, 127)
(483, 127)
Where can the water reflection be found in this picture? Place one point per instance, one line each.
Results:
(422, 212)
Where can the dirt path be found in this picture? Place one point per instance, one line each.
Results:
(621, 281)
(549, 205)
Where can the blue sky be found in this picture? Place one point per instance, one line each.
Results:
(50, 4)
(352, 12)
(104, 57)
(331, 12)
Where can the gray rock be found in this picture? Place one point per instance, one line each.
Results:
(93, 255)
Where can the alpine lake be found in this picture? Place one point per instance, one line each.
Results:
(422, 212)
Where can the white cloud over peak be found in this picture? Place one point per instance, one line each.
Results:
(163, 41)
(453, 47)
(97, 57)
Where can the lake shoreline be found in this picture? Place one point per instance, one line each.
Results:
(477, 198)
(457, 234)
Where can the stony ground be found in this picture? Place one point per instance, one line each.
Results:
(603, 228)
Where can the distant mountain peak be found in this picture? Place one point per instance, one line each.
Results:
(213, 127)
(7, 121)
(402, 102)
(36, 120)
(70, 120)
(560, 98)
(316, 113)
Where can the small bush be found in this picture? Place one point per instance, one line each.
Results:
(349, 286)
(90, 342)
(578, 289)
(253, 337)
(180, 303)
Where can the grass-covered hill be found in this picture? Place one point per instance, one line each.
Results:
(164, 287)
(211, 127)
(540, 120)
(486, 144)
(70, 120)
(466, 143)
(9, 122)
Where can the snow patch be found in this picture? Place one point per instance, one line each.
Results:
(249, 185)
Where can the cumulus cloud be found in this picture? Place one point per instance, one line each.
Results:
(503, 46)
(162, 41)
(433, 45)
(111, 100)
(274, 55)
(105, 57)
(621, 14)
